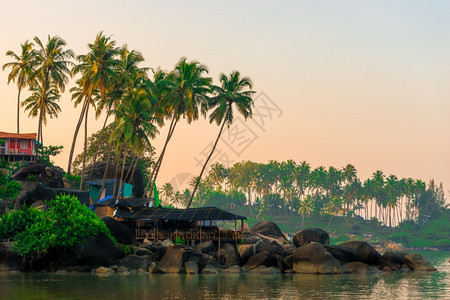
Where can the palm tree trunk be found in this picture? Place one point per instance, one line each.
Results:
(120, 196)
(97, 148)
(85, 146)
(155, 171)
(130, 167)
(117, 171)
(77, 128)
(18, 109)
(250, 202)
(134, 169)
(106, 171)
(206, 163)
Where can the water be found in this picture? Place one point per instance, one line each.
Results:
(393, 285)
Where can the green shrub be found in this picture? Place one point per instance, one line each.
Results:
(64, 224)
(180, 241)
(17, 221)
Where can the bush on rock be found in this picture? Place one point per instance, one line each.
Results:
(64, 224)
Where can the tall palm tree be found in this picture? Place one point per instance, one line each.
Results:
(186, 97)
(21, 70)
(42, 104)
(52, 64)
(135, 124)
(232, 92)
(97, 69)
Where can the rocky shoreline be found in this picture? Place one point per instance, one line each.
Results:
(264, 250)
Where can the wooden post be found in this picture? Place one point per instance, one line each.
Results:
(154, 231)
(218, 254)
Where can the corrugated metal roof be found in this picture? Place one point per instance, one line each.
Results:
(190, 214)
(24, 136)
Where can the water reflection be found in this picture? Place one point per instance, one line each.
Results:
(394, 285)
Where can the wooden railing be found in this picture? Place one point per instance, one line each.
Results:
(191, 235)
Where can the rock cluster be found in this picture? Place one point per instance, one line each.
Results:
(264, 250)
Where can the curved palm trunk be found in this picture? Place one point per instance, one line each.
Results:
(85, 146)
(205, 164)
(97, 148)
(77, 128)
(155, 172)
(117, 171)
(105, 172)
(122, 181)
(18, 109)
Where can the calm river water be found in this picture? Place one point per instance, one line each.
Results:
(394, 285)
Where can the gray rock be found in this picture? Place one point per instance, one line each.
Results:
(417, 262)
(232, 270)
(360, 268)
(262, 258)
(364, 252)
(155, 269)
(310, 235)
(191, 267)
(104, 271)
(211, 269)
(314, 258)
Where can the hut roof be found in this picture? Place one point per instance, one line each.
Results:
(189, 214)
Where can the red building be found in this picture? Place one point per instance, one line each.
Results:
(17, 146)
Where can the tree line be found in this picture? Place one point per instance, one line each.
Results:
(110, 82)
(298, 189)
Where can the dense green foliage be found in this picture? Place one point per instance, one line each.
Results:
(65, 223)
(297, 190)
(17, 221)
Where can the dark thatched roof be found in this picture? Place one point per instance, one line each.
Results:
(190, 214)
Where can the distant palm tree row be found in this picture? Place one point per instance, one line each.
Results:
(298, 188)
(110, 82)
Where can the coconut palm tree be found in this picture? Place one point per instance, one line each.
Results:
(231, 93)
(186, 97)
(167, 191)
(21, 70)
(52, 64)
(97, 69)
(135, 123)
(42, 104)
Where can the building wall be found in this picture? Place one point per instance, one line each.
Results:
(18, 146)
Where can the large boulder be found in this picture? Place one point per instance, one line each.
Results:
(307, 236)
(32, 192)
(360, 268)
(191, 267)
(314, 258)
(395, 257)
(134, 262)
(365, 253)
(9, 259)
(273, 248)
(205, 246)
(268, 228)
(30, 170)
(137, 180)
(97, 251)
(342, 253)
(248, 250)
(228, 255)
(49, 176)
(174, 259)
(121, 232)
(417, 262)
(262, 258)
(52, 177)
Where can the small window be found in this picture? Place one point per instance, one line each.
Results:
(23, 144)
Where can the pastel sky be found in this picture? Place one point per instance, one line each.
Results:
(360, 82)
